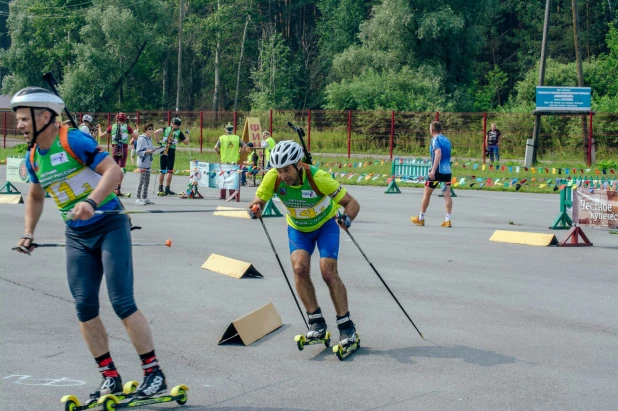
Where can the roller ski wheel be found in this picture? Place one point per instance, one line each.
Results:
(301, 340)
(342, 352)
(112, 402)
(161, 194)
(72, 403)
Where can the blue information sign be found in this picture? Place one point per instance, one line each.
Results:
(563, 98)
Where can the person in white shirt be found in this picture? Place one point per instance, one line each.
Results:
(86, 124)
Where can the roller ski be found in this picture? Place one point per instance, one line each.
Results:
(153, 390)
(113, 384)
(349, 340)
(316, 334)
(166, 192)
(121, 194)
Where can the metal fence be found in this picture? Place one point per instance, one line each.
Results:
(389, 133)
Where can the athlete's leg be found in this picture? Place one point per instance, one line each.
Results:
(125, 149)
(448, 200)
(301, 248)
(139, 332)
(327, 238)
(301, 263)
(95, 336)
(337, 289)
(427, 196)
(84, 273)
(117, 260)
(171, 159)
(163, 170)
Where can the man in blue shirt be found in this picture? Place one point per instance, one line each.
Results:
(440, 172)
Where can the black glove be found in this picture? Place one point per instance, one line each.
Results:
(344, 220)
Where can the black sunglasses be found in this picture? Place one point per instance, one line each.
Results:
(149, 129)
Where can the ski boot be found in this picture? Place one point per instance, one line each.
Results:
(349, 340)
(161, 193)
(316, 334)
(169, 192)
(71, 403)
(153, 384)
(151, 391)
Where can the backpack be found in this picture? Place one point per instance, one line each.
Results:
(312, 183)
(64, 142)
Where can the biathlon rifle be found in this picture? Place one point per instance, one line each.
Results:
(51, 80)
(301, 134)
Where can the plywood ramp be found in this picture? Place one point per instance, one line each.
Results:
(520, 237)
(231, 267)
(253, 326)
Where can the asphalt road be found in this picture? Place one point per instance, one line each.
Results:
(507, 327)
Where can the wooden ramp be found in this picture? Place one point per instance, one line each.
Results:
(228, 266)
(519, 237)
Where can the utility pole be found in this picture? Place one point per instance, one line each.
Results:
(537, 117)
(580, 80)
(215, 97)
(179, 77)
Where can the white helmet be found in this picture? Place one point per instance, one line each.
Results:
(87, 118)
(286, 153)
(37, 97)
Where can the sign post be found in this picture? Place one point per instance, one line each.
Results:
(556, 101)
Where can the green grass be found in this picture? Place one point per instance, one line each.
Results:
(374, 166)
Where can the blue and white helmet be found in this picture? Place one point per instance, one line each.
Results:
(286, 153)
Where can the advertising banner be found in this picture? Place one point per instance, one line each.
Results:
(215, 175)
(598, 209)
(16, 171)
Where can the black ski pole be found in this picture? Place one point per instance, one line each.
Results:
(99, 212)
(168, 243)
(51, 80)
(383, 282)
(301, 134)
(282, 269)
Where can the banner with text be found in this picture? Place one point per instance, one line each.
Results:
(598, 209)
(16, 171)
(215, 175)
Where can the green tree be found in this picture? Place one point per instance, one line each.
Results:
(110, 62)
(41, 40)
(272, 78)
(440, 38)
(487, 96)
